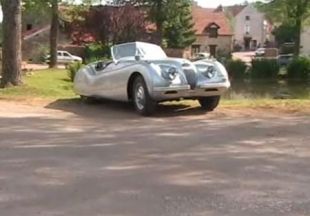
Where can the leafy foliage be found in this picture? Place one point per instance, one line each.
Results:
(236, 69)
(264, 69)
(97, 51)
(290, 13)
(73, 68)
(299, 69)
(285, 33)
(172, 20)
(110, 25)
(178, 30)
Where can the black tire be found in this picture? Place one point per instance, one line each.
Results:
(144, 106)
(209, 103)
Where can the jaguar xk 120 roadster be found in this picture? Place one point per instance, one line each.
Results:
(143, 74)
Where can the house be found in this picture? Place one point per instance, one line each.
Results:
(36, 36)
(305, 41)
(251, 28)
(213, 32)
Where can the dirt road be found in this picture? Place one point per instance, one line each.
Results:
(76, 160)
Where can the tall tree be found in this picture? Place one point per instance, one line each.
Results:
(41, 6)
(289, 12)
(171, 18)
(111, 25)
(54, 34)
(178, 30)
(11, 46)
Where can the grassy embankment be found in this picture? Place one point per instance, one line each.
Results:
(55, 84)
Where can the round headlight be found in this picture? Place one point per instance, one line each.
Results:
(172, 73)
(169, 73)
(210, 72)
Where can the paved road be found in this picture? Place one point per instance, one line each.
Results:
(79, 160)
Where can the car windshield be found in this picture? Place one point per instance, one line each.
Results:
(146, 51)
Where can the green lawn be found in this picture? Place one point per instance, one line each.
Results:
(42, 84)
(55, 84)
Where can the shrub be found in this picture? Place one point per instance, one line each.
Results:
(73, 69)
(236, 69)
(97, 51)
(264, 69)
(299, 68)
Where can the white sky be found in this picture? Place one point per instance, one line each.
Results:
(204, 3)
(215, 3)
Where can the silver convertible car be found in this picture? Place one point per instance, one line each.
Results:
(142, 73)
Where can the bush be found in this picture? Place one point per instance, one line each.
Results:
(264, 69)
(97, 51)
(236, 69)
(73, 69)
(299, 68)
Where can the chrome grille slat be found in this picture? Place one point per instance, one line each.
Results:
(191, 77)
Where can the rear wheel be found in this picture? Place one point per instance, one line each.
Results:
(143, 103)
(209, 103)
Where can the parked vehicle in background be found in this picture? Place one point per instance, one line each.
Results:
(64, 57)
(260, 52)
(285, 59)
(142, 73)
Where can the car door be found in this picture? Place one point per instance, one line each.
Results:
(60, 57)
(67, 57)
(111, 82)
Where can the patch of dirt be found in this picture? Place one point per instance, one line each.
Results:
(76, 107)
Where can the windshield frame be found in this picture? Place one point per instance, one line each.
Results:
(146, 51)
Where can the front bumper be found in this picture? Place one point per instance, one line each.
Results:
(185, 92)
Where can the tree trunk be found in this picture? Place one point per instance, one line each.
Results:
(54, 34)
(298, 35)
(11, 49)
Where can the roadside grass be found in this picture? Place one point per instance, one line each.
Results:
(55, 84)
(45, 84)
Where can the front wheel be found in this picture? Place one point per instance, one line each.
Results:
(143, 103)
(209, 103)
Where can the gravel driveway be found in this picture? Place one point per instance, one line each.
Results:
(89, 160)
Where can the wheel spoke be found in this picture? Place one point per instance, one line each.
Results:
(140, 97)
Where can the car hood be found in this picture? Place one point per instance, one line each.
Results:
(179, 62)
(76, 57)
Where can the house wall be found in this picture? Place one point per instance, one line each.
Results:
(37, 46)
(305, 42)
(35, 20)
(223, 43)
(257, 26)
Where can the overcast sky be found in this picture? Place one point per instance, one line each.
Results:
(215, 3)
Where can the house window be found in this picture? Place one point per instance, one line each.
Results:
(213, 32)
(212, 50)
(195, 49)
(247, 29)
(247, 18)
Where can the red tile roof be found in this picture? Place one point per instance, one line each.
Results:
(234, 10)
(204, 16)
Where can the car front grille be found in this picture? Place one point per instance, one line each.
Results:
(191, 77)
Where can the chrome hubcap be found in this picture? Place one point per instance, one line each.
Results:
(140, 97)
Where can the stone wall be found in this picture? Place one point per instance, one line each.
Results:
(223, 43)
(178, 53)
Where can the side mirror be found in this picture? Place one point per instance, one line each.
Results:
(137, 58)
